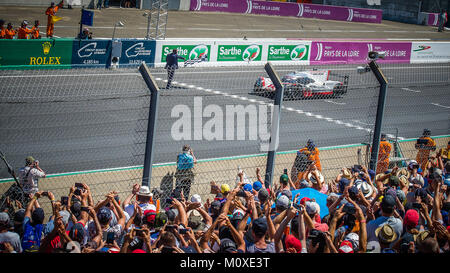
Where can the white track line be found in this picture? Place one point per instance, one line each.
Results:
(437, 104)
(410, 90)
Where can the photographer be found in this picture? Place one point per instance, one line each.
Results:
(85, 34)
(184, 174)
(29, 176)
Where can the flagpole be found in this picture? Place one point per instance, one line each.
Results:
(81, 20)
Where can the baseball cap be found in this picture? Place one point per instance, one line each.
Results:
(138, 251)
(282, 202)
(238, 214)
(65, 216)
(225, 188)
(161, 219)
(257, 185)
(19, 215)
(284, 178)
(421, 192)
(411, 219)
(263, 195)
(353, 191)
(248, 187)
(304, 184)
(311, 207)
(29, 159)
(4, 218)
(292, 242)
(304, 200)
(227, 246)
(172, 214)
(196, 198)
(346, 247)
(354, 239)
(386, 234)
(77, 232)
(149, 216)
(388, 202)
(259, 226)
(195, 222)
(344, 182)
(401, 196)
(288, 194)
(394, 180)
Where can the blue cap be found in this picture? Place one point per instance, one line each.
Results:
(344, 182)
(371, 174)
(447, 182)
(257, 185)
(248, 187)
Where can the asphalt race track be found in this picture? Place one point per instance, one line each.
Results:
(84, 119)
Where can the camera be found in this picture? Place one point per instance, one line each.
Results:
(373, 55)
(64, 200)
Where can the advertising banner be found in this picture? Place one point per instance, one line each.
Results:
(239, 53)
(357, 52)
(134, 52)
(430, 52)
(90, 52)
(48, 53)
(289, 9)
(298, 52)
(190, 52)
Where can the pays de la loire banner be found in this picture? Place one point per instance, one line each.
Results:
(42, 53)
(357, 52)
(289, 9)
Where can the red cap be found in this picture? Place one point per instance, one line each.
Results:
(304, 199)
(346, 247)
(292, 242)
(150, 215)
(138, 251)
(411, 219)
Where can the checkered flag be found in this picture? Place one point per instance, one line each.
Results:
(197, 60)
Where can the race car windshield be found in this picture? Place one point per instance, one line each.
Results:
(288, 80)
(305, 80)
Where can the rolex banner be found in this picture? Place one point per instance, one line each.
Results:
(42, 53)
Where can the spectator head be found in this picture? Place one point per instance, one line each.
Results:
(310, 144)
(343, 183)
(394, 181)
(282, 203)
(225, 188)
(386, 234)
(428, 245)
(238, 215)
(288, 194)
(4, 221)
(353, 192)
(24, 23)
(294, 226)
(18, 218)
(354, 239)
(37, 23)
(75, 208)
(284, 179)
(248, 187)
(292, 242)
(172, 214)
(332, 197)
(196, 198)
(404, 242)
(215, 207)
(144, 195)
(65, 217)
(411, 219)
(349, 208)
(388, 204)
(346, 247)
(52, 4)
(383, 136)
(2, 22)
(225, 232)
(401, 196)
(311, 208)
(263, 195)
(167, 239)
(421, 195)
(259, 228)
(149, 218)
(365, 188)
(104, 216)
(29, 160)
(227, 246)
(257, 185)
(77, 232)
(37, 216)
(304, 184)
(161, 219)
(195, 222)
(9, 26)
(426, 132)
(175, 52)
(413, 165)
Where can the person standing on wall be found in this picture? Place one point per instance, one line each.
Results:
(184, 174)
(383, 155)
(425, 144)
(442, 20)
(172, 65)
(50, 12)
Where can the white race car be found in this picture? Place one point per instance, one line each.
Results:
(303, 84)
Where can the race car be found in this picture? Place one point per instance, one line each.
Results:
(303, 84)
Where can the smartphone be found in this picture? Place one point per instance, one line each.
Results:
(79, 186)
(77, 192)
(45, 193)
(86, 209)
(183, 230)
(110, 237)
(416, 205)
(64, 200)
(139, 232)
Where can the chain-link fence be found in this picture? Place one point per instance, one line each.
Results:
(90, 125)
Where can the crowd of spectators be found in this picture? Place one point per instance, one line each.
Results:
(402, 210)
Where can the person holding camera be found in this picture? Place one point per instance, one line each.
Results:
(425, 144)
(85, 34)
(29, 176)
(184, 174)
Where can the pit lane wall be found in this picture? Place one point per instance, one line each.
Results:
(229, 52)
(289, 9)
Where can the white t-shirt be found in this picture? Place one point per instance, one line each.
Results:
(29, 179)
(144, 206)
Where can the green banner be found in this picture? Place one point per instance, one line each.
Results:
(41, 53)
(190, 52)
(288, 52)
(239, 53)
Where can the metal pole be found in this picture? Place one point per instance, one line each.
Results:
(279, 89)
(151, 127)
(380, 111)
(157, 21)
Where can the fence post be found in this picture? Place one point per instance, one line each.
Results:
(380, 111)
(151, 127)
(274, 139)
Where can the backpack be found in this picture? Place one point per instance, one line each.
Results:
(32, 236)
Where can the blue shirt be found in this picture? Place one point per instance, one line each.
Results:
(185, 161)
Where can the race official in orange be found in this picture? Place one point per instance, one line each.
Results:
(50, 12)
(313, 153)
(10, 32)
(383, 155)
(35, 34)
(425, 144)
(23, 32)
(2, 29)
